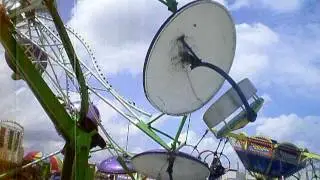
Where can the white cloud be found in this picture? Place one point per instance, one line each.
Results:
(291, 128)
(119, 31)
(284, 5)
(19, 104)
(183, 2)
(251, 58)
(279, 6)
(272, 59)
(239, 4)
(267, 98)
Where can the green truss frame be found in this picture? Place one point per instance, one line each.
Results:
(77, 140)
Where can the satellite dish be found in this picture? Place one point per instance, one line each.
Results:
(169, 83)
(155, 164)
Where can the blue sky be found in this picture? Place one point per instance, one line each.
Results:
(280, 22)
(277, 51)
(289, 24)
(277, 48)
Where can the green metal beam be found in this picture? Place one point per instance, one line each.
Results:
(81, 169)
(71, 55)
(125, 167)
(155, 119)
(78, 140)
(171, 4)
(309, 155)
(145, 128)
(161, 132)
(69, 155)
(40, 89)
(174, 144)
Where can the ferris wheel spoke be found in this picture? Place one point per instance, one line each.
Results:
(113, 144)
(60, 76)
(56, 56)
(98, 77)
(30, 7)
(89, 77)
(48, 30)
(56, 86)
(87, 73)
(132, 120)
(52, 45)
(55, 79)
(48, 42)
(11, 5)
(82, 64)
(29, 31)
(22, 26)
(59, 64)
(108, 87)
(134, 107)
(98, 89)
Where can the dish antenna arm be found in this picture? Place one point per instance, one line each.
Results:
(171, 160)
(188, 56)
(171, 4)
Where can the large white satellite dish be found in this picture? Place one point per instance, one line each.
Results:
(155, 164)
(169, 83)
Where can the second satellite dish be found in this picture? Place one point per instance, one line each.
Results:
(169, 84)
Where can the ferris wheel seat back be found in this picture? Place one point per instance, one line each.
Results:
(38, 57)
(228, 108)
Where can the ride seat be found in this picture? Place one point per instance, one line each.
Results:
(227, 105)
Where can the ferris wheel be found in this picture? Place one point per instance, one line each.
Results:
(36, 31)
(187, 63)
